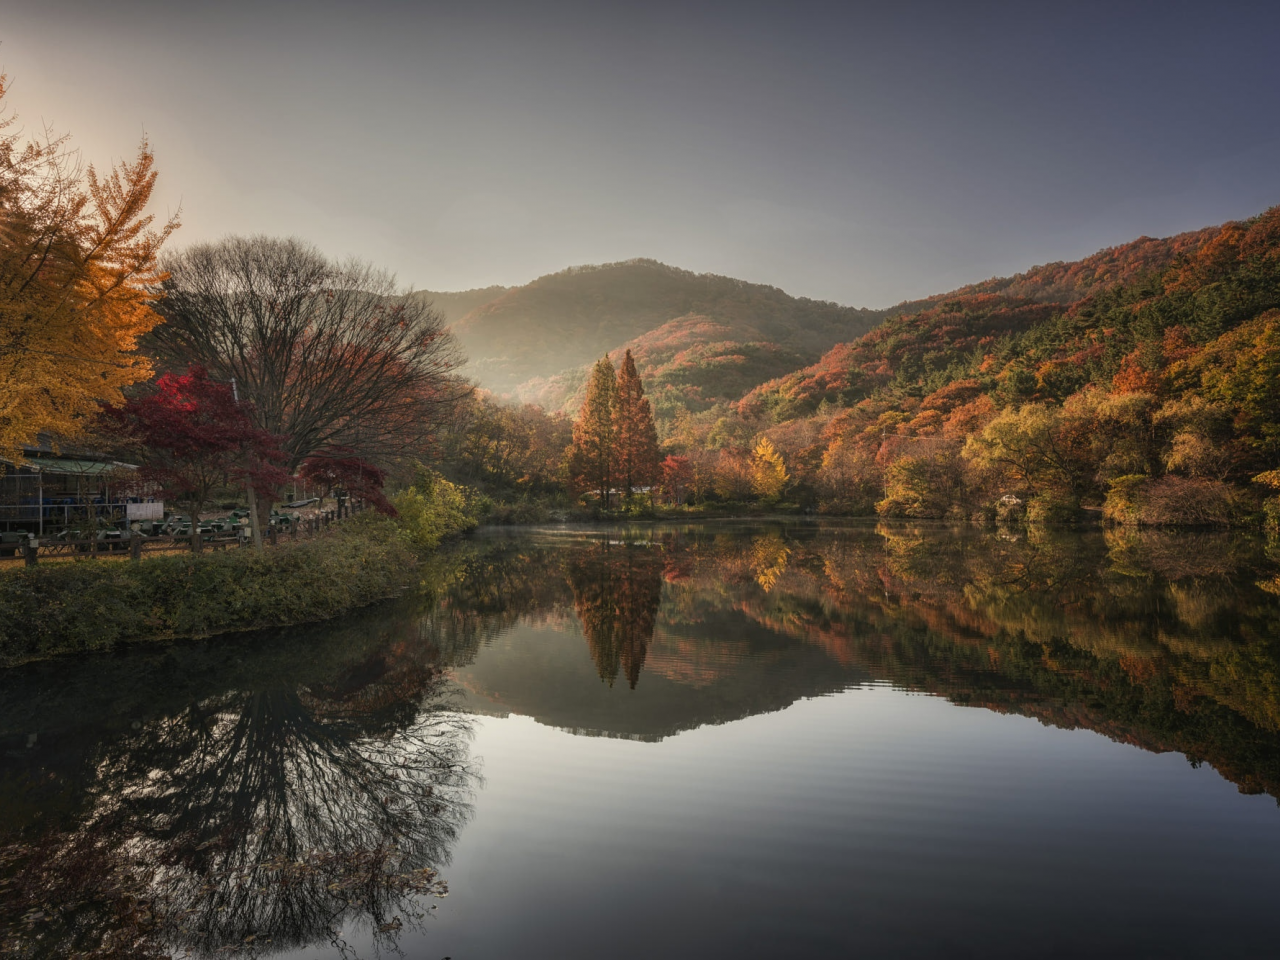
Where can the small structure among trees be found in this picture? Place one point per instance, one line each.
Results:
(192, 437)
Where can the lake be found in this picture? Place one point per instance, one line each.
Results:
(726, 739)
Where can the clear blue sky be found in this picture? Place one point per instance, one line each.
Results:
(865, 153)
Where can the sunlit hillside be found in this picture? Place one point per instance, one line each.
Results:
(454, 306)
(1048, 332)
(727, 336)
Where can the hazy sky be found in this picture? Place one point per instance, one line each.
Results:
(865, 153)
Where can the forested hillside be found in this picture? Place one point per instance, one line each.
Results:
(454, 306)
(1144, 379)
(1141, 383)
(955, 334)
(708, 337)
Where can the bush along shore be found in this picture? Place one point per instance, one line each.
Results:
(93, 605)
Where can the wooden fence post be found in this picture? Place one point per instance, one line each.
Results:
(93, 544)
(135, 547)
(30, 551)
(196, 542)
(274, 535)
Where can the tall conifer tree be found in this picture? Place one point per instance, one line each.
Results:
(591, 463)
(636, 437)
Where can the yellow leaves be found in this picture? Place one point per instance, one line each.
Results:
(78, 275)
(1270, 478)
(769, 557)
(769, 475)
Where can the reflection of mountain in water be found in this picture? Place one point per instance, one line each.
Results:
(1170, 642)
(736, 670)
(278, 787)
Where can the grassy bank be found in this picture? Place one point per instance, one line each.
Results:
(93, 605)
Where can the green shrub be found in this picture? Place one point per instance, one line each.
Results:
(1053, 506)
(1177, 502)
(88, 605)
(523, 511)
(1123, 504)
(434, 509)
(1271, 514)
(922, 487)
(1008, 509)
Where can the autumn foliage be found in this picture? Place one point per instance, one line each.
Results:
(192, 438)
(1156, 359)
(614, 438)
(78, 275)
(339, 469)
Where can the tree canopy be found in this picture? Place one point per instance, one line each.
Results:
(332, 355)
(78, 277)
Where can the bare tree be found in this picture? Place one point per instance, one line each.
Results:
(333, 356)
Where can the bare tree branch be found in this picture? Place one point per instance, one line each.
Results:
(332, 355)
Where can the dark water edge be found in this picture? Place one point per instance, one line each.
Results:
(308, 787)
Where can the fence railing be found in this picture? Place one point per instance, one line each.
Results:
(56, 514)
(127, 543)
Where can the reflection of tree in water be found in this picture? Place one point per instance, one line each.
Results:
(1170, 641)
(491, 587)
(769, 555)
(267, 819)
(616, 592)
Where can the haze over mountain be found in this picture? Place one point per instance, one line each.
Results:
(454, 306)
(701, 339)
(698, 337)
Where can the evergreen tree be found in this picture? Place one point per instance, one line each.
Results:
(636, 437)
(591, 462)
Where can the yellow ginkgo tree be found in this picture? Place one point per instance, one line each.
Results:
(78, 276)
(769, 477)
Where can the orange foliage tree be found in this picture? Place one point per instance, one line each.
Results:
(78, 274)
(592, 458)
(635, 437)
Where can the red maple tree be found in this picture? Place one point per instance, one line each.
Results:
(192, 438)
(338, 468)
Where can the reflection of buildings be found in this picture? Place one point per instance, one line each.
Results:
(616, 592)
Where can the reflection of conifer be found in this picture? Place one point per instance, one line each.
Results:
(616, 593)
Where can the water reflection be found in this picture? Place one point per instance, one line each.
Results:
(616, 591)
(1171, 642)
(280, 791)
(251, 819)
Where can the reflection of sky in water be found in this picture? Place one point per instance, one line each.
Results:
(871, 821)
(712, 742)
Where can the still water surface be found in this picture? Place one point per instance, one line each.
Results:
(718, 740)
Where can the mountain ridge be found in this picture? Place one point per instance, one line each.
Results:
(521, 340)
